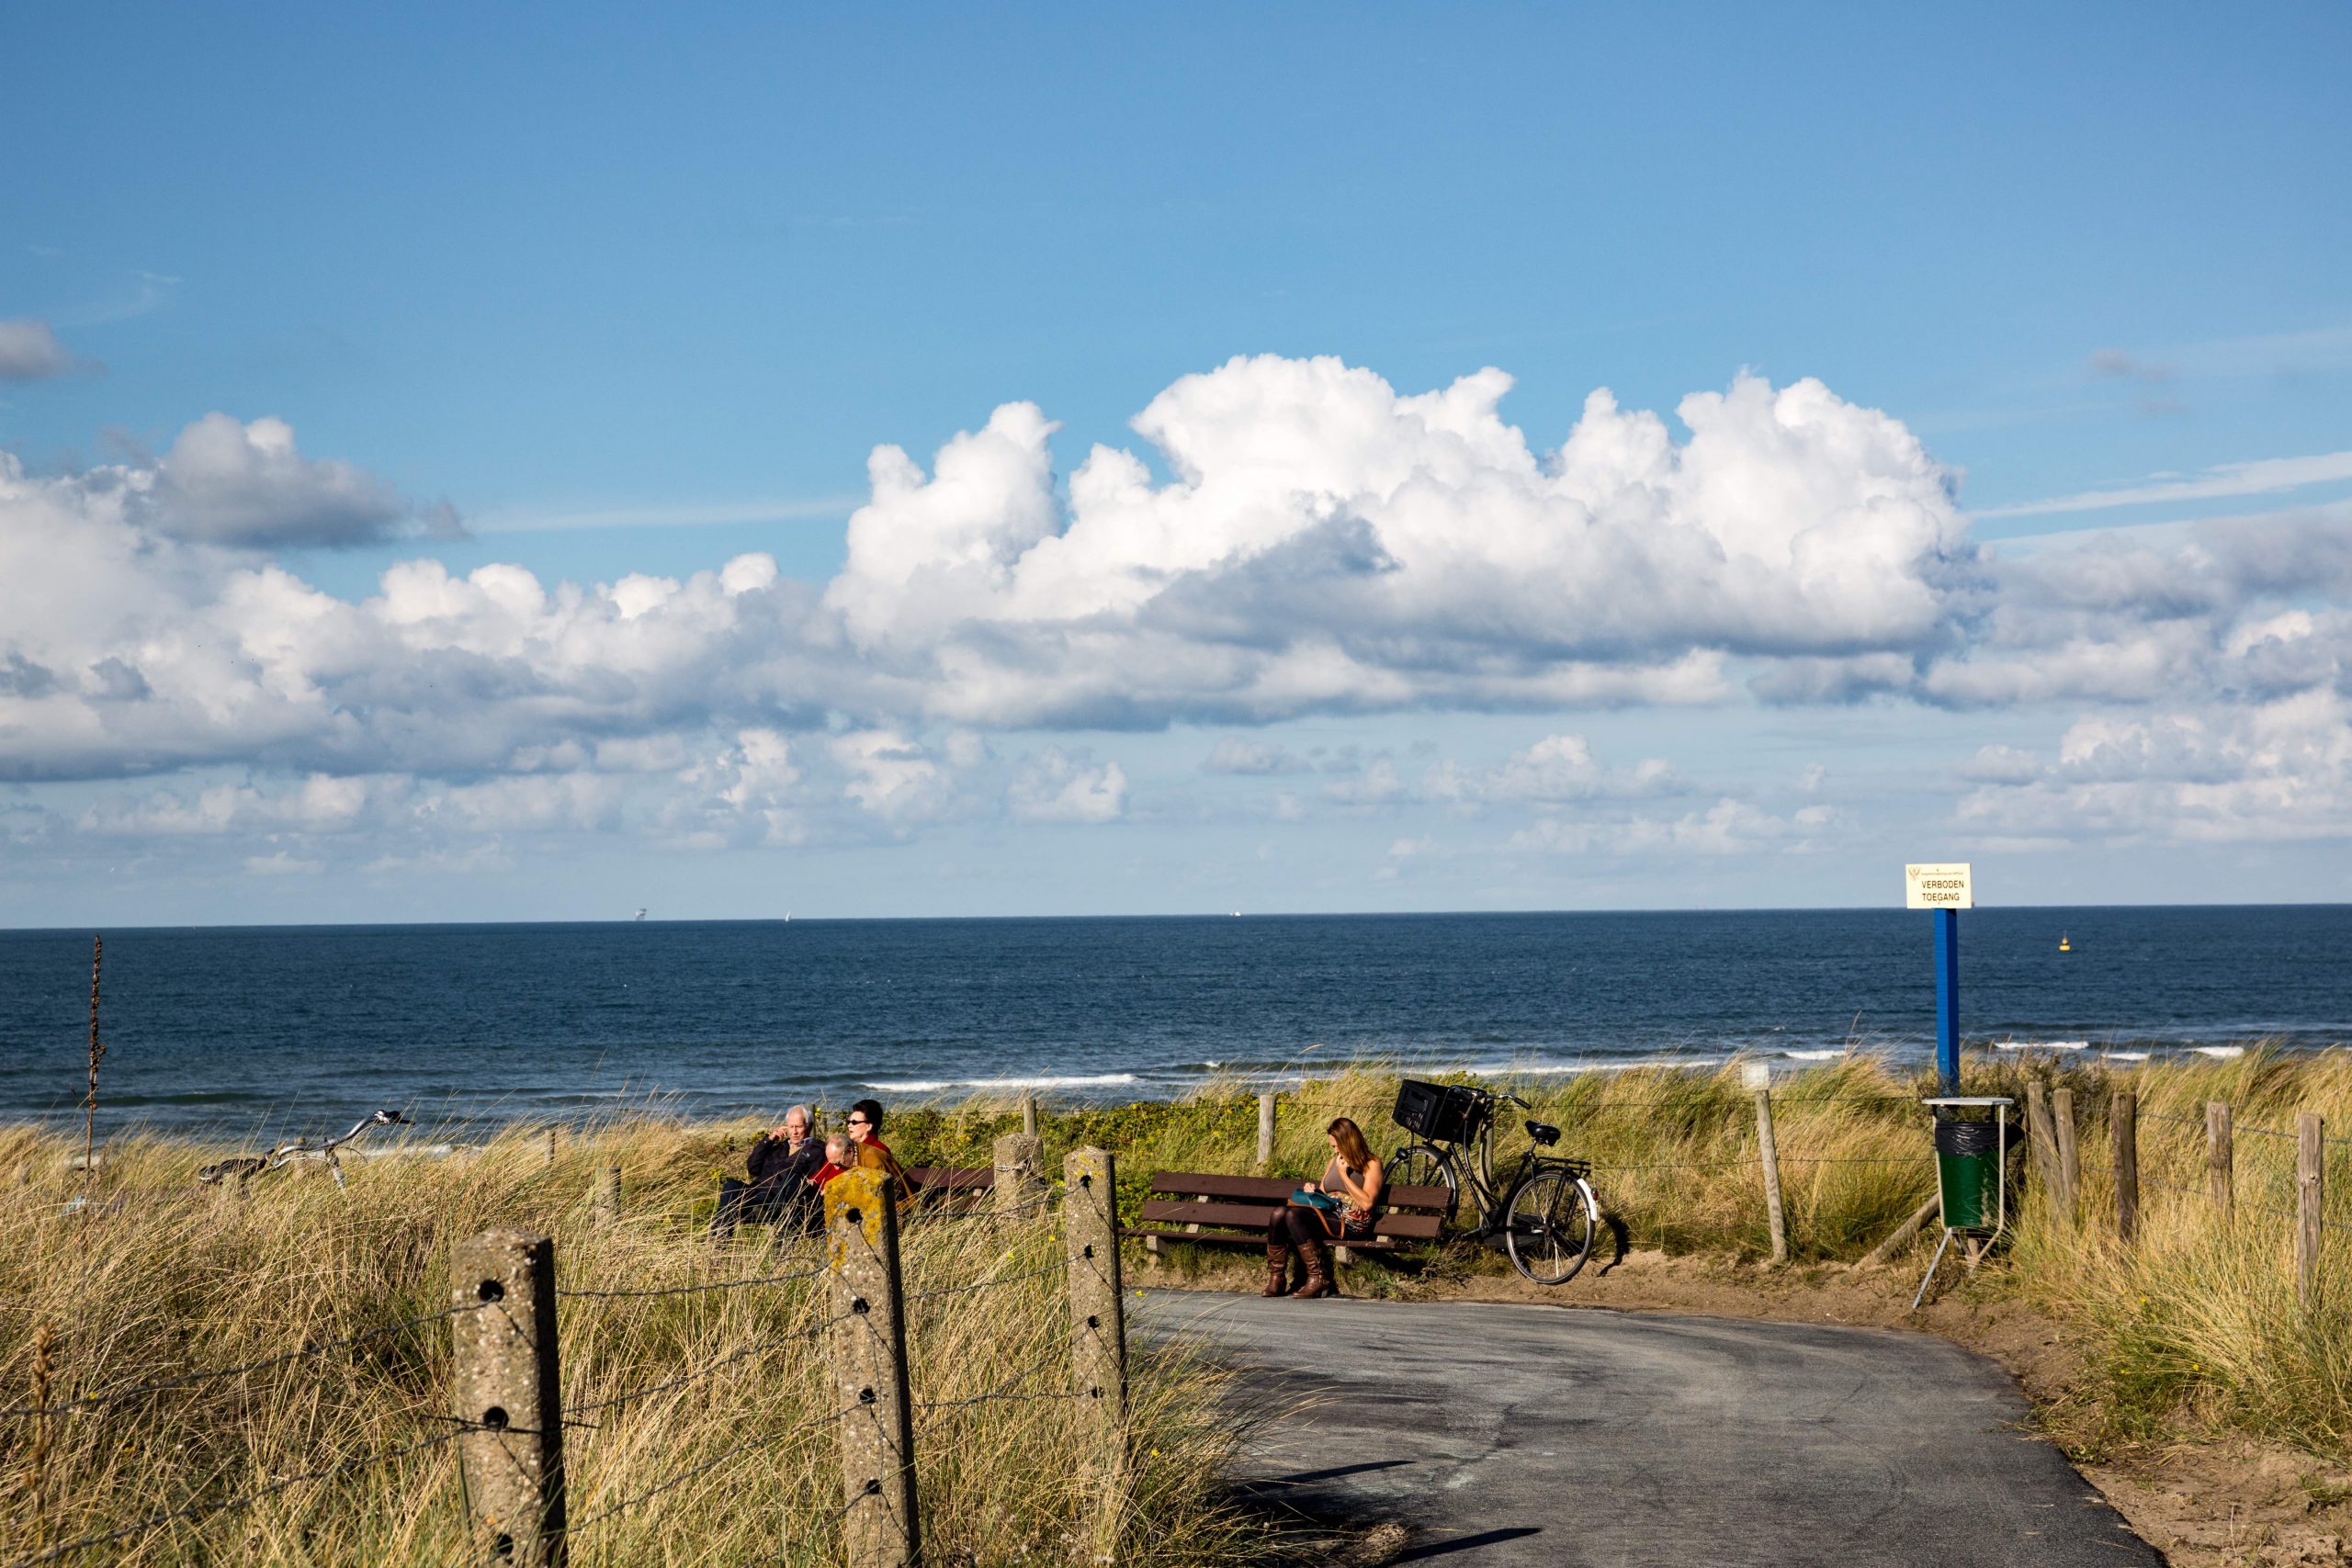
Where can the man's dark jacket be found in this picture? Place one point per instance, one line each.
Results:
(779, 1172)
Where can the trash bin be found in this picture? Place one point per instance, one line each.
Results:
(1968, 1155)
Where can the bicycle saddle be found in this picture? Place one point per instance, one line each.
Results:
(1544, 1133)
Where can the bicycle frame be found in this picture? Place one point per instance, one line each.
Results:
(1473, 1164)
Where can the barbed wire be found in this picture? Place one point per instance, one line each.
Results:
(778, 1342)
(210, 1510)
(2196, 1121)
(1855, 1159)
(1059, 1265)
(988, 1212)
(704, 1467)
(1003, 1391)
(2236, 1204)
(1677, 1164)
(95, 1403)
(694, 1290)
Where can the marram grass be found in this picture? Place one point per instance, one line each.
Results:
(2197, 1319)
(173, 1278)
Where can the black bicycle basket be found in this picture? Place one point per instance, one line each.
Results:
(1439, 1111)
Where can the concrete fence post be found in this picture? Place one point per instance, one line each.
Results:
(2311, 1193)
(508, 1390)
(868, 1350)
(2123, 1121)
(1768, 1157)
(1019, 1174)
(1028, 1115)
(1098, 1326)
(1265, 1132)
(2221, 1157)
(604, 1196)
(2070, 1154)
(2044, 1133)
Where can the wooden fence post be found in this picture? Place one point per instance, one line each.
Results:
(868, 1349)
(508, 1390)
(2310, 1191)
(1028, 1115)
(1098, 1326)
(1265, 1132)
(2070, 1154)
(2123, 1121)
(2044, 1133)
(2221, 1156)
(604, 1196)
(1768, 1157)
(551, 1144)
(1020, 1173)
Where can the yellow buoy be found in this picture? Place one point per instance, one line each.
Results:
(2064, 945)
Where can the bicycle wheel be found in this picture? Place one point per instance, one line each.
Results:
(1419, 1165)
(1549, 1226)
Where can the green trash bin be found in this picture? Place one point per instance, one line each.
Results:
(1968, 1158)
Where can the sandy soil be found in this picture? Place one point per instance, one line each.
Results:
(2207, 1499)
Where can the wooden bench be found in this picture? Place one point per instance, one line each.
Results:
(951, 1189)
(938, 1188)
(1234, 1211)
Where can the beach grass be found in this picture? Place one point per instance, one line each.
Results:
(2197, 1323)
(157, 1277)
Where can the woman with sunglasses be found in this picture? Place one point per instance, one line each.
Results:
(864, 1126)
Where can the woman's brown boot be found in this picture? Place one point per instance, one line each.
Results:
(1318, 1270)
(1277, 1268)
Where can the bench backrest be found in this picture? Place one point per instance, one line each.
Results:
(953, 1187)
(1276, 1190)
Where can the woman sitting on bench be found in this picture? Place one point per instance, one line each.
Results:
(1357, 1181)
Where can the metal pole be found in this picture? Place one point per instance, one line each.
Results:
(1947, 998)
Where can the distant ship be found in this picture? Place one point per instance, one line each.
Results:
(641, 914)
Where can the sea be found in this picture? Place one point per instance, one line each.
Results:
(298, 1029)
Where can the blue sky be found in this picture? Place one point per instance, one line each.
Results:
(637, 293)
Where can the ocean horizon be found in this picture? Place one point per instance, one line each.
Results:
(241, 1028)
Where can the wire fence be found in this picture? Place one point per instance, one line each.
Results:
(1025, 1218)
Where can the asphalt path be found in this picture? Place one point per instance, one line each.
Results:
(1505, 1434)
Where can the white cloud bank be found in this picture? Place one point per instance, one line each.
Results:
(1322, 545)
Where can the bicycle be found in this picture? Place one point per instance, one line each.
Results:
(1547, 1215)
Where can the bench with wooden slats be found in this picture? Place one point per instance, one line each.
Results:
(1196, 1206)
(953, 1188)
(938, 1188)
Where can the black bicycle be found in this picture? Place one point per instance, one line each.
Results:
(1546, 1214)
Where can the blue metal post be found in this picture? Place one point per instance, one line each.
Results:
(1947, 998)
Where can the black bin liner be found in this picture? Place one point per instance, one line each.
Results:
(1973, 1137)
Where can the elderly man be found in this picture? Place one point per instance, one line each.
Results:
(780, 1165)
